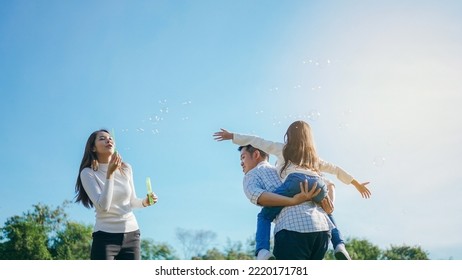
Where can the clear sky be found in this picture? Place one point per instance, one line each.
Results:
(379, 81)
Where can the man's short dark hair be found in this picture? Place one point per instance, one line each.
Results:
(251, 149)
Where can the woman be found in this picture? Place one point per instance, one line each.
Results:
(105, 182)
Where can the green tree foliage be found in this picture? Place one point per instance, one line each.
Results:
(73, 242)
(404, 252)
(44, 234)
(151, 250)
(194, 242)
(232, 251)
(359, 249)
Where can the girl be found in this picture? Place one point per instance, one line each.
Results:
(297, 160)
(105, 182)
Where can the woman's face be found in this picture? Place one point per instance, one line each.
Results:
(104, 144)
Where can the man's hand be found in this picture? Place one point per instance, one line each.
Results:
(223, 135)
(327, 205)
(304, 194)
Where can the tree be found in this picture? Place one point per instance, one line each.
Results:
(194, 243)
(358, 250)
(43, 234)
(404, 252)
(233, 251)
(154, 251)
(73, 242)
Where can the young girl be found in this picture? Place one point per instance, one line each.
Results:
(105, 182)
(297, 160)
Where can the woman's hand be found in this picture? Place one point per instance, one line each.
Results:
(154, 199)
(114, 164)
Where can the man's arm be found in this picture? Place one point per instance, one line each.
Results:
(272, 199)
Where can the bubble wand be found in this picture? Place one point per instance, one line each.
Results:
(149, 190)
(113, 141)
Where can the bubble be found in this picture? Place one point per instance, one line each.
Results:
(343, 125)
(274, 89)
(186, 102)
(155, 131)
(328, 61)
(259, 112)
(185, 118)
(163, 101)
(314, 115)
(378, 161)
(140, 129)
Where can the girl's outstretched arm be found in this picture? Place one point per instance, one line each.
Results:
(361, 187)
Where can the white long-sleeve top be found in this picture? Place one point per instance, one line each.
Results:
(276, 149)
(113, 198)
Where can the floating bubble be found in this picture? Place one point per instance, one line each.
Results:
(328, 61)
(185, 118)
(347, 112)
(139, 129)
(274, 89)
(163, 101)
(378, 161)
(343, 125)
(259, 112)
(155, 131)
(186, 102)
(314, 115)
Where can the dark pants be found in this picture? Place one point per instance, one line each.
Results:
(291, 245)
(116, 246)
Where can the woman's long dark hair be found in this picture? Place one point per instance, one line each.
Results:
(89, 160)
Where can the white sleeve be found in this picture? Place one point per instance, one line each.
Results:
(330, 168)
(274, 148)
(100, 196)
(135, 202)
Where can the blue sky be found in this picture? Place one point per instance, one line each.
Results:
(378, 81)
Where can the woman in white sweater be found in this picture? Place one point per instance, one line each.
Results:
(105, 183)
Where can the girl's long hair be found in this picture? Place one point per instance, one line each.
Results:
(300, 148)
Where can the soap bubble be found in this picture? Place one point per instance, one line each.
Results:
(378, 161)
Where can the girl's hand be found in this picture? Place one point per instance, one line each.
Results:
(362, 189)
(223, 135)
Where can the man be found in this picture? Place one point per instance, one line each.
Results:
(301, 231)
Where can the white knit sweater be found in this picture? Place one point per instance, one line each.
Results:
(113, 199)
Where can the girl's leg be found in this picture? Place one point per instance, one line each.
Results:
(291, 187)
(338, 242)
(262, 237)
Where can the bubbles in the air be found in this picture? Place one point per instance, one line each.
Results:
(314, 115)
(378, 161)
